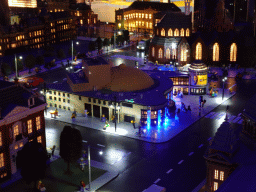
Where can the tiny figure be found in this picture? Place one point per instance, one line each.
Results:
(82, 184)
(133, 123)
(189, 109)
(204, 101)
(103, 118)
(56, 112)
(176, 117)
(175, 92)
(41, 186)
(53, 149)
(82, 163)
(106, 125)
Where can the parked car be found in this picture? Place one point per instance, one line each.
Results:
(31, 81)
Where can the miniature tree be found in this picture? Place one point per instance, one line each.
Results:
(126, 35)
(91, 46)
(70, 146)
(6, 69)
(40, 60)
(30, 62)
(99, 43)
(32, 159)
(61, 55)
(106, 43)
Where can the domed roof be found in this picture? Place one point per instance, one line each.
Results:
(198, 65)
(125, 79)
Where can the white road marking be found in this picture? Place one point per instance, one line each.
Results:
(231, 118)
(64, 79)
(236, 119)
(157, 181)
(169, 171)
(210, 114)
(239, 114)
(55, 82)
(84, 141)
(240, 122)
(200, 145)
(191, 153)
(101, 145)
(180, 162)
(214, 116)
(209, 138)
(220, 115)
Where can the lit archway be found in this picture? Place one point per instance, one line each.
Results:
(215, 54)
(160, 53)
(183, 54)
(233, 52)
(168, 53)
(187, 32)
(170, 33)
(198, 51)
(162, 32)
(176, 32)
(182, 32)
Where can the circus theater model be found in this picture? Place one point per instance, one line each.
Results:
(198, 72)
(100, 89)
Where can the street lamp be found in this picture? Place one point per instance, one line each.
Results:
(223, 83)
(16, 65)
(73, 48)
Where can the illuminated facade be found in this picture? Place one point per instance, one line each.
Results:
(19, 124)
(23, 3)
(141, 16)
(170, 39)
(61, 28)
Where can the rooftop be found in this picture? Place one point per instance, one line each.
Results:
(175, 20)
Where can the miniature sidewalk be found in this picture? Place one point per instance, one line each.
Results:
(159, 134)
(111, 174)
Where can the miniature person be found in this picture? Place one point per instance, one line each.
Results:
(103, 118)
(175, 92)
(41, 186)
(82, 163)
(133, 123)
(189, 109)
(53, 149)
(82, 184)
(106, 125)
(56, 112)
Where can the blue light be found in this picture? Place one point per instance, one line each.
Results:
(159, 118)
(148, 119)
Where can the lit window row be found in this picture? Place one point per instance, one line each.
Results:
(18, 146)
(1, 160)
(137, 15)
(219, 175)
(175, 34)
(34, 33)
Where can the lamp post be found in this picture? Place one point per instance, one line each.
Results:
(223, 83)
(16, 65)
(73, 49)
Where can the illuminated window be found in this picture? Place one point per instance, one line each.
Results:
(143, 23)
(150, 16)
(215, 186)
(174, 53)
(16, 131)
(29, 126)
(183, 55)
(160, 53)
(170, 32)
(21, 144)
(215, 55)
(162, 32)
(38, 123)
(136, 15)
(146, 24)
(146, 16)
(139, 15)
(216, 174)
(88, 20)
(198, 51)
(176, 32)
(1, 140)
(153, 51)
(139, 23)
(94, 20)
(150, 25)
(81, 22)
(168, 53)
(182, 32)
(16, 147)
(142, 15)
(222, 175)
(157, 32)
(39, 139)
(187, 32)
(233, 52)
(1, 160)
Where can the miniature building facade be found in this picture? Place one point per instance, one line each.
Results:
(21, 121)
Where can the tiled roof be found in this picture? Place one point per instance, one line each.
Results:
(15, 95)
(175, 20)
(141, 5)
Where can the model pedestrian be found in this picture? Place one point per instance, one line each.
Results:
(82, 185)
(53, 149)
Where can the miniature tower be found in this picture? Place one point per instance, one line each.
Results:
(187, 7)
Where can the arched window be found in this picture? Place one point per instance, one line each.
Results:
(215, 54)
(176, 32)
(233, 52)
(162, 32)
(198, 51)
(160, 53)
(183, 54)
(174, 53)
(170, 32)
(182, 32)
(168, 53)
(187, 32)
(153, 51)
